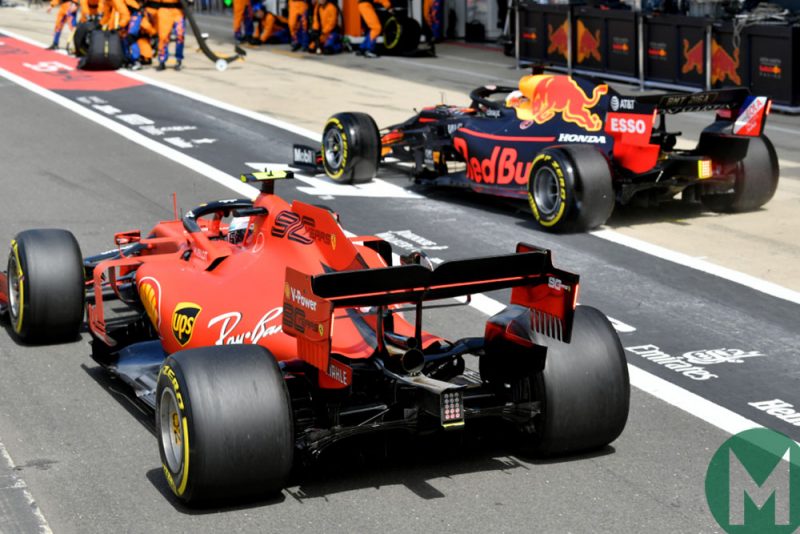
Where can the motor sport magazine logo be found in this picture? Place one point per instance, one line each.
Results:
(753, 483)
(693, 364)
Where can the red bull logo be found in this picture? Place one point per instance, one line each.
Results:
(692, 57)
(588, 44)
(723, 65)
(558, 39)
(550, 94)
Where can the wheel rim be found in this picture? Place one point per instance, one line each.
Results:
(14, 286)
(333, 148)
(171, 430)
(546, 191)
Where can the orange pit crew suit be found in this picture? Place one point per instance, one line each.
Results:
(169, 16)
(298, 24)
(89, 8)
(271, 28)
(367, 10)
(242, 16)
(326, 33)
(67, 10)
(138, 33)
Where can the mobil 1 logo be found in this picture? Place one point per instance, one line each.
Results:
(753, 483)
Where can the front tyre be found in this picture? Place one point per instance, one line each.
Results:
(570, 188)
(351, 148)
(583, 391)
(45, 286)
(756, 179)
(224, 422)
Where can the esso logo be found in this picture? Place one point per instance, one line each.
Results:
(628, 125)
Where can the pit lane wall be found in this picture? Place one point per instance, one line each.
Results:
(663, 51)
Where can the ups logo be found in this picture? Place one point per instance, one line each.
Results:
(183, 320)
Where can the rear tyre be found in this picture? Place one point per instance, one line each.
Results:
(351, 146)
(570, 189)
(224, 422)
(756, 180)
(584, 389)
(45, 286)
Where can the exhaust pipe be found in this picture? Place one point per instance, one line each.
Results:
(412, 361)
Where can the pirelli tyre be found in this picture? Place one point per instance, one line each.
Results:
(570, 188)
(80, 37)
(45, 286)
(757, 176)
(224, 423)
(351, 148)
(401, 35)
(583, 391)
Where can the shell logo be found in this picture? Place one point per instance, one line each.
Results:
(150, 295)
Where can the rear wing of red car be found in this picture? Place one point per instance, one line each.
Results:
(309, 300)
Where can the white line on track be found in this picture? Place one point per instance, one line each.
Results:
(44, 527)
(706, 410)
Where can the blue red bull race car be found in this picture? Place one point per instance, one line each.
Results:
(573, 147)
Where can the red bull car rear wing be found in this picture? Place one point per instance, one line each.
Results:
(550, 293)
(746, 112)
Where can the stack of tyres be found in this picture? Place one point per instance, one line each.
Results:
(104, 51)
(401, 33)
(80, 39)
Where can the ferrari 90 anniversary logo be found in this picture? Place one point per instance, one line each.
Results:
(183, 321)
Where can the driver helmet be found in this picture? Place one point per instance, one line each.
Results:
(237, 229)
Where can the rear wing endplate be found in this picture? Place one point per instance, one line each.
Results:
(746, 112)
(309, 300)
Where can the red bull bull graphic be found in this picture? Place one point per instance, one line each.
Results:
(692, 57)
(549, 94)
(588, 44)
(723, 65)
(558, 39)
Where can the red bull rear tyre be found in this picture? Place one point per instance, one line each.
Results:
(757, 176)
(570, 189)
(351, 146)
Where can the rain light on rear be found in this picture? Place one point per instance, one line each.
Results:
(704, 169)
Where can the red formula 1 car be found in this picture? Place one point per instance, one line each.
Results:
(571, 146)
(256, 329)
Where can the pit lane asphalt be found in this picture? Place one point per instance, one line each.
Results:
(91, 461)
(91, 185)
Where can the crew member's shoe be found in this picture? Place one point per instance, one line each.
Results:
(178, 65)
(52, 47)
(295, 47)
(161, 66)
(136, 66)
(370, 53)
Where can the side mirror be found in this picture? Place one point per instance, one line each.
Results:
(127, 238)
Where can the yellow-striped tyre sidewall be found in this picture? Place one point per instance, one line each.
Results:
(339, 174)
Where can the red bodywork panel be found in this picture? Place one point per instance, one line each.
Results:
(200, 290)
(3, 289)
